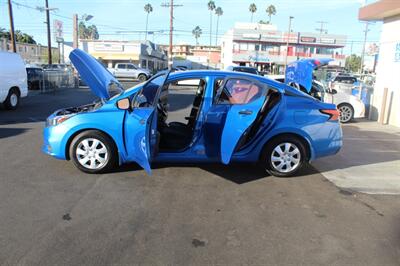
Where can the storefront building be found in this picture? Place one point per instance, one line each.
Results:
(264, 47)
(143, 54)
(385, 105)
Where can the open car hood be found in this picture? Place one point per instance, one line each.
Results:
(301, 71)
(93, 73)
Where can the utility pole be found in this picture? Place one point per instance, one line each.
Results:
(363, 50)
(287, 42)
(48, 31)
(321, 29)
(75, 31)
(171, 29)
(12, 33)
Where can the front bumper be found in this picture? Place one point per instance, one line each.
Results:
(53, 143)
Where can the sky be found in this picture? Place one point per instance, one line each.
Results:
(122, 19)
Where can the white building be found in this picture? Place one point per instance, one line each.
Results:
(144, 54)
(386, 97)
(264, 47)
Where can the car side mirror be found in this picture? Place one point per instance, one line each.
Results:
(333, 91)
(124, 104)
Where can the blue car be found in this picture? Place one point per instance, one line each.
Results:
(234, 117)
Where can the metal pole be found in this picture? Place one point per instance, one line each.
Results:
(171, 29)
(10, 13)
(363, 51)
(75, 31)
(287, 42)
(48, 32)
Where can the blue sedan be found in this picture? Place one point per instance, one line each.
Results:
(234, 117)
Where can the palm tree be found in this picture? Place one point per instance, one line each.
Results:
(148, 9)
(219, 12)
(271, 10)
(252, 9)
(211, 6)
(197, 33)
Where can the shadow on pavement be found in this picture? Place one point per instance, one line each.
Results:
(236, 173)
(38, 107)
(10, 132)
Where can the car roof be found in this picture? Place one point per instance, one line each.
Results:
(216, 73)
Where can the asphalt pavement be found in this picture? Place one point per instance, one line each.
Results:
(53, 214)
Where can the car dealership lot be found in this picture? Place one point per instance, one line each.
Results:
(50, 213)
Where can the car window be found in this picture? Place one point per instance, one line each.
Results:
(148, 93)
(121, 66)
(131, 67)
(240, 91)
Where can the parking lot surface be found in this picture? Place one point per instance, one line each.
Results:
(52, 214)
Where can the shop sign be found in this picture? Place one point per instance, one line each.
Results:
(308, 39)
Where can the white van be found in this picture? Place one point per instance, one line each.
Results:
(13, 79)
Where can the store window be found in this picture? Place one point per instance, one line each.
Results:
(243, 46)
(144, 63)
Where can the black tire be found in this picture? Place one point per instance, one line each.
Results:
(269, 151)
(346, 113)
(142, 77)
(110, 161)
(12, 100)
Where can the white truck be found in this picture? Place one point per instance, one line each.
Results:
(13, 80)
(131, 71)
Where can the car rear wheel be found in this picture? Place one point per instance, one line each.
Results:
(346, 112)
(93, 152)
(142, 77)
(12, 100)
(284, 156)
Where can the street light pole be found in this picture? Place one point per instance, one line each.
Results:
(287, 41)
(48, 32)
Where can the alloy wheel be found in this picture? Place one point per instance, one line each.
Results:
(285, 157)
(91, 153)
(346, 113)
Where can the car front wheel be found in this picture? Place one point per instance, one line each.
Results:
(93, 152)
(284, 156)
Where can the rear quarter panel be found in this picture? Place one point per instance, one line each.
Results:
(12, 74)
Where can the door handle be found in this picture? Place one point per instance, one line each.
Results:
(245, 112)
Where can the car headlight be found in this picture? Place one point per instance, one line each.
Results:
(54, 121)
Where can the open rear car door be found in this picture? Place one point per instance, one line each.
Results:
(246, 98)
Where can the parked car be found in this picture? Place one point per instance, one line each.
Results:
(347, 79)
(245, 69)
(35, 77)
(235, 117)
(13, 80)
(129, 70)
(299, 75)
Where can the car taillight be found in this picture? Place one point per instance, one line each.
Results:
(334, 114)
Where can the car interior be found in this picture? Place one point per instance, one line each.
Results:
(177, 135)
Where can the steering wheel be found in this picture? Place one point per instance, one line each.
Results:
(162, 111)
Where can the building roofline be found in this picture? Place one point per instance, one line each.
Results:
(379, 10)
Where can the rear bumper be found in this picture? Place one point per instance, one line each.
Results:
(328, 140)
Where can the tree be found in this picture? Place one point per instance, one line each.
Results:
(19, 36)
(87, 33)
(219, 12)
(353, 63)
(197, 33)
(148, 9)
(252, 9)
(211, 6)
(271, 10)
